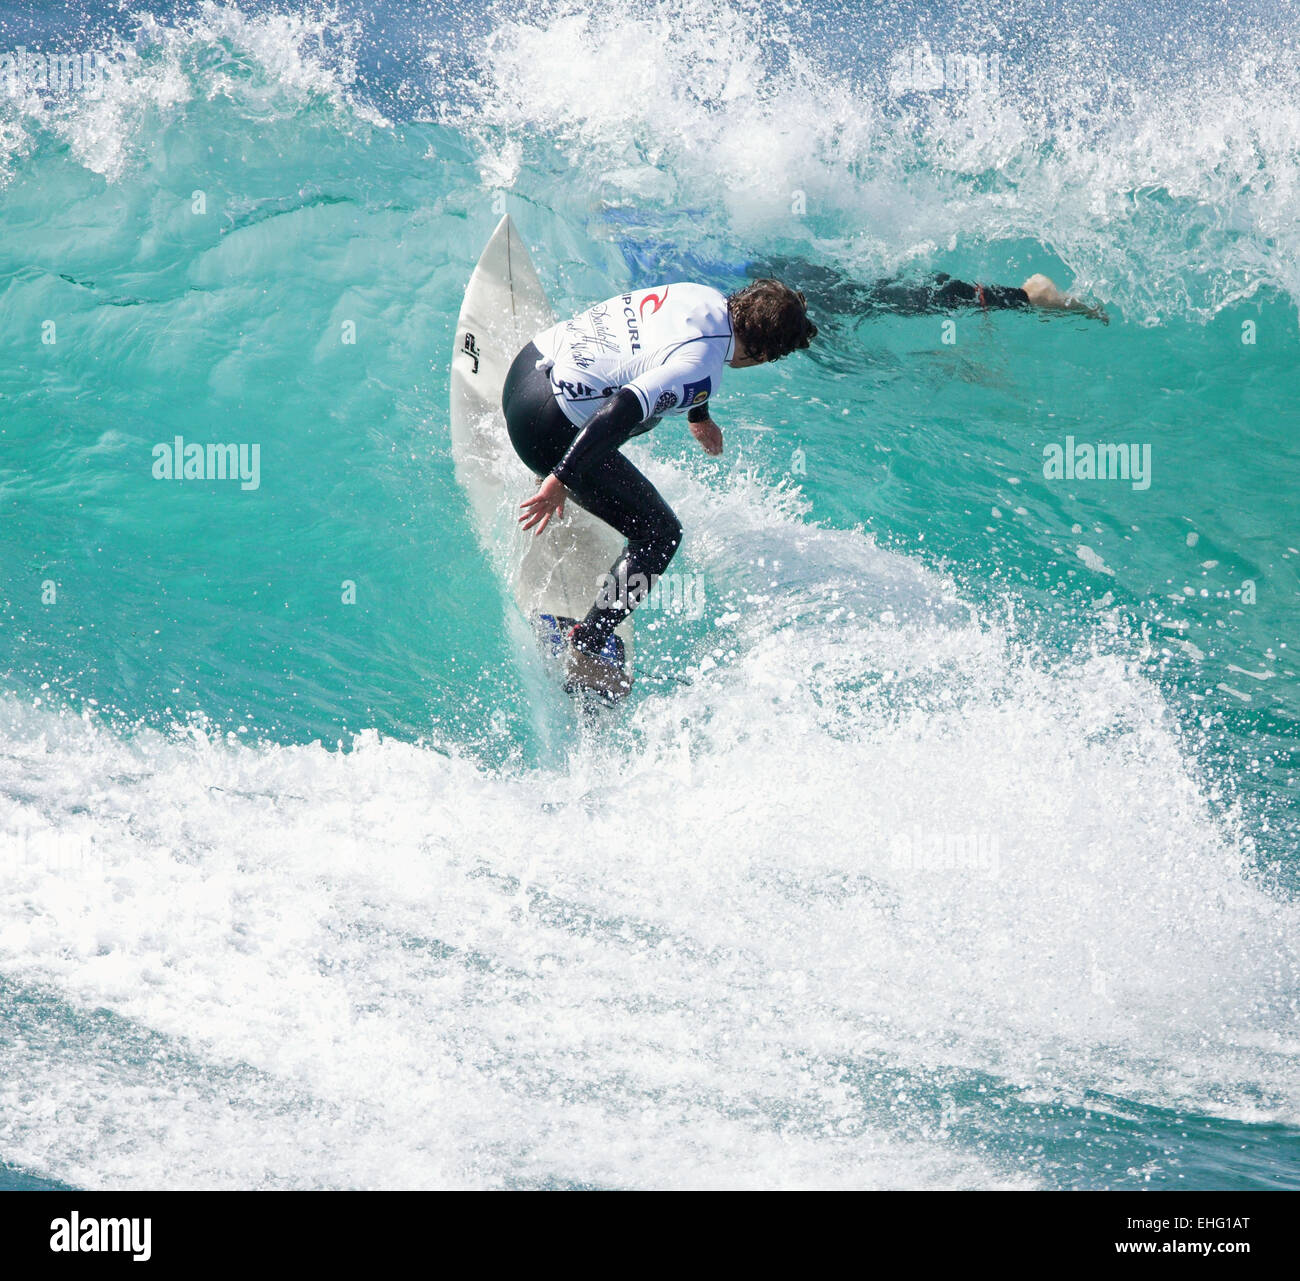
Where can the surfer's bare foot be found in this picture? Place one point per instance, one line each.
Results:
(1043, 292)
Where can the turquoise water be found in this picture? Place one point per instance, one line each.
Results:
(950, 842)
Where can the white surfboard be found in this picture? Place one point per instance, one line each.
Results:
(558, 572)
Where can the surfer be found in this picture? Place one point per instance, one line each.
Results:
(584, 387)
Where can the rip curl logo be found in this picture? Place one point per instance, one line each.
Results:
(657, 299)
(665, 402)
(75, 1235)
(632, 323)
(576, 390)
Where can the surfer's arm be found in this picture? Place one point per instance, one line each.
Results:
(704, 429)
(601, 434)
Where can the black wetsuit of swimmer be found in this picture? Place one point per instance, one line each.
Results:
(831, 292)
(588, 464)
(939, 293)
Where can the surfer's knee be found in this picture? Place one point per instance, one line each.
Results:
(672, 530)
(666, 539)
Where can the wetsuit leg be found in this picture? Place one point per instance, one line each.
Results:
(939, 293)
(829, 289)
(612, 490)
(615, 492)
(950, 293)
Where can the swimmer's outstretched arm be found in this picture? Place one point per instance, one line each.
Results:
(1042, 292)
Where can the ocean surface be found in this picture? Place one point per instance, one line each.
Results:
(950, 835)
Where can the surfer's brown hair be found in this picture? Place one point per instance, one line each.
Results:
(771, 319)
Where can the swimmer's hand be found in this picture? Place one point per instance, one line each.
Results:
(709, 434)
(1043, 292)
(548, 501)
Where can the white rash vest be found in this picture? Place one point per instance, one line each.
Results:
(668, 345)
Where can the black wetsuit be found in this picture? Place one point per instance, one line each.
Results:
(939, 293)
(600, 479)
(830, 291)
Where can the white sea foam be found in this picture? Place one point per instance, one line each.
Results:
(1162, 194)
(268, 63)
(1165, 189)
(664, 959)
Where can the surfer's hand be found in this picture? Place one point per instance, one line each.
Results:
(709, 434)
(548, 501)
